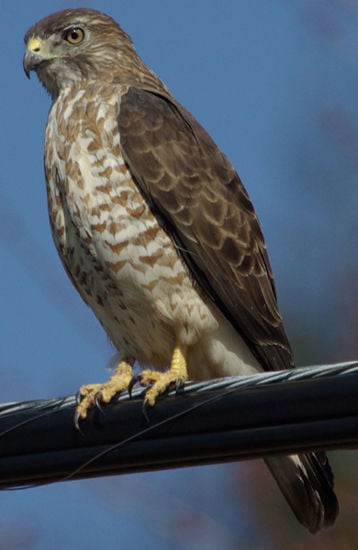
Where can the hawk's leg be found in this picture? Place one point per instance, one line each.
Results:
(91, 394)
(160, 381)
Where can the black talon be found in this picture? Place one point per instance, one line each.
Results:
(131, 385)
(179, 385)
(76, 420)
(78, 397)
(98, 402)
(145, 410)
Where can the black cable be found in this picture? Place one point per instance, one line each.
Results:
(209, 422)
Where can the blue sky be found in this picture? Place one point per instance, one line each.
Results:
(275, 84)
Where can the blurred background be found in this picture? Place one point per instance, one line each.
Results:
(275, 83)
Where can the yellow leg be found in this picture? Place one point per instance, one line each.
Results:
(177, 374)
(90, 394)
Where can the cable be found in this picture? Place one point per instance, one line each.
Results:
(209, 422)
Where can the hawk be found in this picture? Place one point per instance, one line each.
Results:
(157, 232)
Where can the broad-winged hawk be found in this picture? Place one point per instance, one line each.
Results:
(157, 232)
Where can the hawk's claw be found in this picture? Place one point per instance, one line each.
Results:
(131, 384)
(97, 394)
(78, 397)
(97, 401)
(157, 383)
(145, 410)
(179, 385)
(76, 419)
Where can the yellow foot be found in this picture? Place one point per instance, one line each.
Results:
(160, 381)
(92, 394)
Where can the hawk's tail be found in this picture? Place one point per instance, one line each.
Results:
(307, 483)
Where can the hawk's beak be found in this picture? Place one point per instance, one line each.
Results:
(33, 57)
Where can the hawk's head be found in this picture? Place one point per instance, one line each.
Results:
(77, 44)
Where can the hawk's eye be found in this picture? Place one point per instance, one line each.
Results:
(75, 35)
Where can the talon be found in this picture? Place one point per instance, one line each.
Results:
(97, 401)
(131, 385)
(160, 382)
(96, 394)
(179, 385)
(76, 419)
(78, 397)
(145, 410)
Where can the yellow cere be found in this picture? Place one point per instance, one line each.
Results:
(34, 45)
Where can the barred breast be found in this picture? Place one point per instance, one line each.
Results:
(124, 265)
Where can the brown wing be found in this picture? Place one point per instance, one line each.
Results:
(198, 197)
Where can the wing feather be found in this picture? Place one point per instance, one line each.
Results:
(200, 200)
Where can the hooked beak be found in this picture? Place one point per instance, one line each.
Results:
(33, 57)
